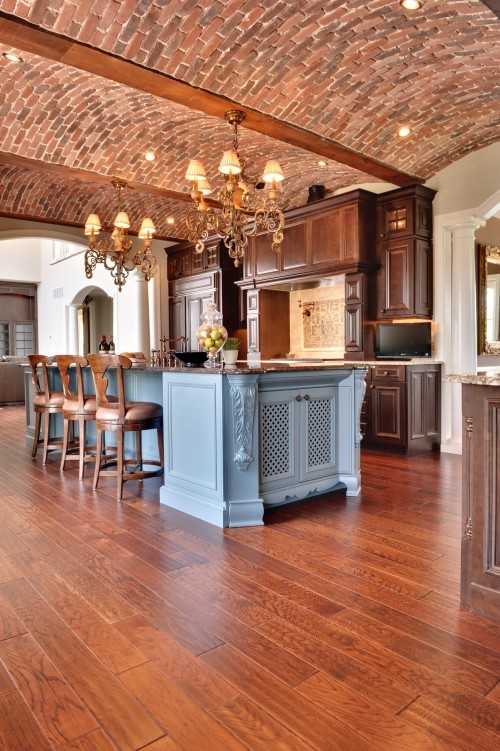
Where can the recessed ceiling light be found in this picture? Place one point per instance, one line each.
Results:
(411, 4)
(12, 57)
(170, 220)
(150, 156)
(404, 131)
(321, 163)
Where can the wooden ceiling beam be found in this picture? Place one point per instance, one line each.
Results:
(95, 178)
(21, 35)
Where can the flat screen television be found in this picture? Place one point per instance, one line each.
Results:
(403, 341)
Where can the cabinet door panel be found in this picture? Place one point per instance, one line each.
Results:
(325, 239)
(266, 260)
(253, 333)
(278, 432)
(177, 307)
(193, 312)
(433, 415)
(349, 240)
(417, 405)
(398, 275)
(388, 413)
(317, 430)
(195, 306)
(293, 249)
(423, 278)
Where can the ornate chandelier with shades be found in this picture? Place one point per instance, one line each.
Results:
(115, 251)
(244, 210)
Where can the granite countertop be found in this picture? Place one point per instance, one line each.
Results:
(284, 365)
(484, 378)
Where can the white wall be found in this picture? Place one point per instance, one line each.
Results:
(20, 260)
(466, 184)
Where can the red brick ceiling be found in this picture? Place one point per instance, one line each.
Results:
(323, 74)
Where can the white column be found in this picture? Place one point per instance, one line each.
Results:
(73, 329)
(459, 352)
(132, 322)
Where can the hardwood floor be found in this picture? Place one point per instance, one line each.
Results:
(335, 627)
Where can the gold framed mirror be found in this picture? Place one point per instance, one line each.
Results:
(489, 300)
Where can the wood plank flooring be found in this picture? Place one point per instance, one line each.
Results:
(335, 627)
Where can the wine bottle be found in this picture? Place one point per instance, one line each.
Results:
(111, 345)
(103, 347)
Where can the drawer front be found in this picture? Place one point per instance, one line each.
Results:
(388, 372)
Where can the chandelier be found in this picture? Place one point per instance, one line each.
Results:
(115, 251)
(244, 209)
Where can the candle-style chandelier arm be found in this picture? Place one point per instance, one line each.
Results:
(115, 251)
(243, 211)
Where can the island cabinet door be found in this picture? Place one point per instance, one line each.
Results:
(318, 450)
(279, 424)
(298, 436)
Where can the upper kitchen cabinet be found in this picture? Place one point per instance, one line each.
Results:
(184, 261)
(404, 229)
(332, 235)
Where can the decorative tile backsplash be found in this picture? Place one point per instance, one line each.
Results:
(320, 334)
(325, 326)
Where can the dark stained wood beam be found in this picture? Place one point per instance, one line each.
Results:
(90, 177)
(493, 5)
(24, 36)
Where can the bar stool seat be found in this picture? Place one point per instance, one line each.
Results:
(122, 417)
(45, 404)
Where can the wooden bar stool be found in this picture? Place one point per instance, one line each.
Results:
(78, 407)
(122, 417)
(46, 403)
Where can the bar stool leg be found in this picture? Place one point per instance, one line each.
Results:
(36, 437)
(138, 448)
(119, 463)
(46, 426)
(98, 454)
(81, 446)
(160, 446)
(64, 444)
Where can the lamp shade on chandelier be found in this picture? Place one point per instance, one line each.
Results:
(246, 208)
(115, 251)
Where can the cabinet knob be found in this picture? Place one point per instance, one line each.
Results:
(306, 397)
(371, 385)
(298, 398)
(386, 372)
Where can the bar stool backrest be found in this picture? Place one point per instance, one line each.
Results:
(42, 387)
(63, 363)
(99, 365)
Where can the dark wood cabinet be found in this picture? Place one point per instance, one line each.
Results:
(331, 236)
(196, 278)
(404, 228)
(402, 407)
(480, 584)
(359, 305)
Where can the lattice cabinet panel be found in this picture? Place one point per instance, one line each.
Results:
(277, 430)
(319, 418)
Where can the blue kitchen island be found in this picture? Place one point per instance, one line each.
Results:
(240, 441)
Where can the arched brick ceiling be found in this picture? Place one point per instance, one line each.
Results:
(349, 72)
